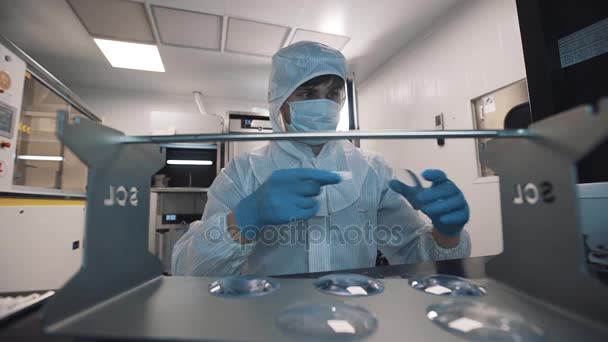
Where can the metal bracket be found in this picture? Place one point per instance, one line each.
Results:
(543, 248)
(115, 257)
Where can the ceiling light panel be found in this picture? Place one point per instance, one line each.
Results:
(333, 40)
(187, 28)
(254, 38)
(189, 162)
(40, 158)
(114, 19)
(128, 55)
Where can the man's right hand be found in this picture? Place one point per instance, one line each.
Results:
(286, 195)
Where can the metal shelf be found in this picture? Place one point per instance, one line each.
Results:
(178, 189)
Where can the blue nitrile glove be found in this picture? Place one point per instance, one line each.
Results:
(443, 202)
(285, 195)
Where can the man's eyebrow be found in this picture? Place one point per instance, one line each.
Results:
(333, 86)
(305, 87)
(337, 85)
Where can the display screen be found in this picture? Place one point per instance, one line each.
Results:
(180, 218)
(259, 123)
(6, 120)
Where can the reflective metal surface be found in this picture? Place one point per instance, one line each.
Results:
(326, 322)
(480, 322)
(538, 194)
(243, 286)
(447, 285)
(351, 285)
(118, 189)
(448, 134)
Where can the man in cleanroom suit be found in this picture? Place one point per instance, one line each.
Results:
(284, 208)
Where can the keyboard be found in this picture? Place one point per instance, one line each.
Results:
(11, 305)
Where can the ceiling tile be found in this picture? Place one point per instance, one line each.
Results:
(333, 40)
(254, 38)
(188, 28)
(114, 19)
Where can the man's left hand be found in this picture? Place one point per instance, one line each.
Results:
(443, 202)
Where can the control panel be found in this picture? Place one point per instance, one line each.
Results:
(12, 75)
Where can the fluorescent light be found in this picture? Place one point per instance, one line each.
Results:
(189, 162)
(43, 158)
(131, 55)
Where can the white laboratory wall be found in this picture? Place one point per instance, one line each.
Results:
(471, 51)
(141, 113)
(36, 245)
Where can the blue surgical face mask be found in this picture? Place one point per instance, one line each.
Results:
(314, 116)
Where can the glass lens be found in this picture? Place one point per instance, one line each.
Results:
(480, 322)
(447, 285)
(326, 322)
(353, 285)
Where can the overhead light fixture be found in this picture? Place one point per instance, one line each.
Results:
(42, 158)
(129, 55)
(189, 162)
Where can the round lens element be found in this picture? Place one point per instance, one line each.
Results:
(326, 322)
(353, 285)
(477, 321)
(447, 285)
(243, 286)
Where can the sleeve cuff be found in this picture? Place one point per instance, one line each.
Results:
(462, 250)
